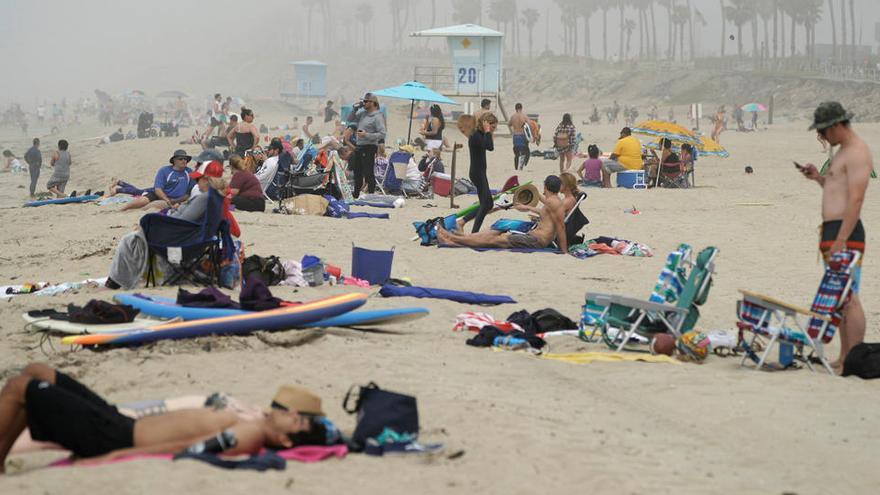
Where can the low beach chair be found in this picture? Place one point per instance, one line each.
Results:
(575, 220)
(803, 329)
(194, 243)
(628, 317)
(673, 175)
(669, 286)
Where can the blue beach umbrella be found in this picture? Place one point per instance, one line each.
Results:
(413, 91)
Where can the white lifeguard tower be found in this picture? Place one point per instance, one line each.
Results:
(309, 80)
(476, 70)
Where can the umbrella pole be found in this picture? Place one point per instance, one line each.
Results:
(412, 108)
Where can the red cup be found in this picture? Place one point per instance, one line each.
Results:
(333, 270)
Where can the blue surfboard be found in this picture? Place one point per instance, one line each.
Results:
(63, 201)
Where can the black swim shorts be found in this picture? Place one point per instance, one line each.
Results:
(86, 428)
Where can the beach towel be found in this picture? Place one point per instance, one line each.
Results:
(475, 321)
(353, 214)
(609, 357)
(372, 204)
(388, 290)
(509, 250)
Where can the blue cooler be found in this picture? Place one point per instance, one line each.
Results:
(631, 179)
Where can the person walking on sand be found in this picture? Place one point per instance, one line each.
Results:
(843, 193)
(61, 174)
(563, 140)
(718, 123)
(517, 124)
(479, 133)
(34, 159)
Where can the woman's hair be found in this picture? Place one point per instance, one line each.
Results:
(62, 145)
(299, 143)
(245, 112)
(218, 184)
(250, 163)
(569, 181)
(487, 117)
(7, 153)
(566, 119)
(593, 151)
(467, 124)
(666, 143)
(236, 162)
(437, 112)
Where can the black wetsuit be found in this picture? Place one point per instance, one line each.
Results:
(478, 144)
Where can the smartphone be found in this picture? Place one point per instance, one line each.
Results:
(799, 166)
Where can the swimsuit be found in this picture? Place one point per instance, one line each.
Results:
(855, 242)
(524, 241)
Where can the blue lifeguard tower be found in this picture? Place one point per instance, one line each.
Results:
(476, 70)
(309, 80)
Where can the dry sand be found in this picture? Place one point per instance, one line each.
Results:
(525, 425)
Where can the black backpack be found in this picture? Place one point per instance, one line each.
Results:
(863, 361)
(269, 269)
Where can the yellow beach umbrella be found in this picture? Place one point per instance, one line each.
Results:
(664, 129)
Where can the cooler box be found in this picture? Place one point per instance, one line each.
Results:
(441, 184)
(631, 179)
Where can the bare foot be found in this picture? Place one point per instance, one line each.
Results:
(444, 237)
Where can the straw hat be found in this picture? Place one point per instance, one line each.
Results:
(299, 399)
(526, 195)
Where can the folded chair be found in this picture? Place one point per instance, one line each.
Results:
(189, 243)
(628, 317)
(673, 175)
(803, 329)
(668, 288)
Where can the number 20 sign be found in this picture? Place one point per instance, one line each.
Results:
(467, 75)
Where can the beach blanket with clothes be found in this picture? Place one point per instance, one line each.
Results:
(389, 290)
(340, 209)
(610, 245)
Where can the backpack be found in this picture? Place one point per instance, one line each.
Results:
(561, 139)
(269, 269)
(863, 361)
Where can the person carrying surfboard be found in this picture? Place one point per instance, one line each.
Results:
(58, 409)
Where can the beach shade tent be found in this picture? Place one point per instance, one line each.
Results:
(172, 94)
(753, 107)
(413, 91)
(669, 130)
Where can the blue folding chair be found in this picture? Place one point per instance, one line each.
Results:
(197, 242)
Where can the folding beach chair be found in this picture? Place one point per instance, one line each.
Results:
(673, 175)
(380, 170)
(627, 317)
(784, 323)
(574, 221)
(393, 182)
(668, 288)
(186, 245)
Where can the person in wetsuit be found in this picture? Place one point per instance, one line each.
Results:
(479, 142)
(843, 192)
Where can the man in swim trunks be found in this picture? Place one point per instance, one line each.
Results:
(550, 226)
(843, 192)
(56, 408)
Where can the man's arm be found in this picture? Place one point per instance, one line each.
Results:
(352, 115)
(857, 176)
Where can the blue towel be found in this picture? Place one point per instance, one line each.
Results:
(353, 214)
(509, 250)
(374, 205)
(451, 295)
(260, 462)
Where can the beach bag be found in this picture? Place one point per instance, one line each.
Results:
(335, 208)
(863, 361)
(378, 409)
(269, 270)
(464, 186)
(561, 139)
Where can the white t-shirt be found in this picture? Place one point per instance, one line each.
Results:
(267, 172)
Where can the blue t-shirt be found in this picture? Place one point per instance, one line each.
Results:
(173, 182)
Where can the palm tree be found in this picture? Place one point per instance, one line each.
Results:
(833, 31)
(775, 27)
(621, 5)
(605, 5)
(765, 11)
(811, 14)
(682, 16)
(466, 11)
(629, 26)
(739, 12)
(586, 9)
(309, 5)
(723, 27)
(400, 10)
(852, 21)
(843, 41)
(529, 19)
(364, 15)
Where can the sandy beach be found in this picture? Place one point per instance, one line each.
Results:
(518, 424)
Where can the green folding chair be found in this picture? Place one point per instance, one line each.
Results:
(629, 320)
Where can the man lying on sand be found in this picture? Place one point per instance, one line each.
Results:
(56, 408)
(550, 226)
(170, 187)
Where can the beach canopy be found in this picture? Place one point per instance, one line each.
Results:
(753, 107)
(664, 129)
(413, 91)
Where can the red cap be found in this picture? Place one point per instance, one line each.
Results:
(210, 169)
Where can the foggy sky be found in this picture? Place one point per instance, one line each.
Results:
(55, 48)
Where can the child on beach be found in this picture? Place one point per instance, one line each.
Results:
(590, 172)
(13, 164)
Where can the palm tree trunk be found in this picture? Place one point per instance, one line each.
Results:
(641, 36)
(531, 40)
(755, 36)
(833, 31)
(782, 33)
(739, 40)
(588, 49)
(691, 29)
(670, 39)
(765, 51)
(605, 34)
(653, 33)
(793, 35)
(852, 25)
(574, 41)
(723, 28)
(775, 28)
(620, 56)
(843, 41)
(681, 41)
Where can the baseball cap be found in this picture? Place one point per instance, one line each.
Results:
(210, 169)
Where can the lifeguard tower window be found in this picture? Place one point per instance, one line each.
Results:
(476, 62)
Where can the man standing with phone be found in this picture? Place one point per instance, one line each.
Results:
(370, 131)
(843, 192)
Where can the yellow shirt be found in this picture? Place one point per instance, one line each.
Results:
(629, 152)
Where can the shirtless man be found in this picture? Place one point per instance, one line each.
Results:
(520, 142)
(48, 402)
(843, 192)
(550, 226)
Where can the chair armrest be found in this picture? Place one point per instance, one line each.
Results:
(631, 302)
(781, 306)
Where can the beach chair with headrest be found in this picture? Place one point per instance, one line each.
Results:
(392, 181)
(803, 329)
(673, 175)
(633, 321)
(669, 286)
(186, 245)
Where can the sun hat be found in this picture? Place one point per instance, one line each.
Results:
(829, 113)
(210, 169)
(526, 195)
(299, 399)
(179, 154)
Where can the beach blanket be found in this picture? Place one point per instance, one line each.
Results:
(266, 459)
(609, 357)
(388, 290)
(475, 321)
(353, 214)
(509, 250)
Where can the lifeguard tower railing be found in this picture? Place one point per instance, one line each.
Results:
(449, 81)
